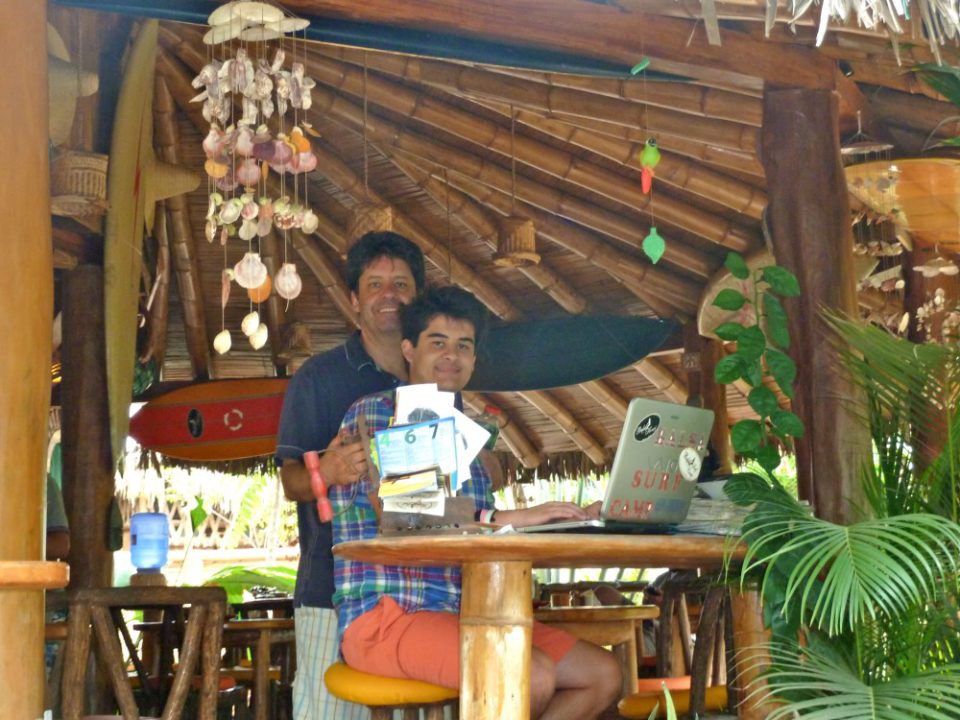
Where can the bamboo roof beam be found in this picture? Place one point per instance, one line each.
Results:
(740, 107)
(512, 435)
(599, 30)
(551, 408)
(654, 285)
(180, 228)
(325, 271)
(630, 230)
(159, 309)
(475, 218)
(609, 399)
(539, 97)
(673, 170)
(663, 379)
(346, 79)
(460, 273)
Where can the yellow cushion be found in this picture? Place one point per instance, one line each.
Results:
(639, 705)
(374, 690)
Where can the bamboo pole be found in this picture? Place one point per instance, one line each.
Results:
(26, 309)
(159, 309)
(470, 81)
(518, 442)
(708, 102)
(673, 170)
(475, 218)
(551, 408)
(665, 381)
(606, 397)
(180, 227)
(345, 79)
(324, 270)
(625, 270)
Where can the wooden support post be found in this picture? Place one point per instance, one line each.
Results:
(700, 357)
(809, 218)
(751, 658)
(26, 309)
(87, 465)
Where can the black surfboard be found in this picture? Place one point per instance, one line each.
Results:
(542, 354)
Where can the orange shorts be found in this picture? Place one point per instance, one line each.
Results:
(423, 645)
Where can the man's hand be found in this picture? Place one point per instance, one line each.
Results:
(541, 514)
(340, 464)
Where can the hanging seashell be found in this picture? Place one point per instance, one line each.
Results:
(210, 230)
(250, 323)
(264, 150)
(288, 282)
(282, 152)
(310, 222)
(224, 234)
(299, 140)
(230, 211)
(226, 279)
(259, 338)
(248, 230)
(216, 200)
(222, 342)
(248, 173)
(244, 141)
(306, 162)
(215, 168)
(264, 225)
(250, 271)
(213, 142)
(250, 208)
(228, 182)
(260, 294)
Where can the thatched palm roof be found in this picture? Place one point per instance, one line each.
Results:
(454, 146)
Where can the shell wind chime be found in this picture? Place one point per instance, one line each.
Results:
(245, 84)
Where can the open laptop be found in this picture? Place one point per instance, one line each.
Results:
(654, 473)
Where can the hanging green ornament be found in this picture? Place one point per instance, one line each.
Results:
(654, 245)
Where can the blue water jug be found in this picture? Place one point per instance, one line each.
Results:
(149, 541)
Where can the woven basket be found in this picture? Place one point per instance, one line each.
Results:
(369, 217)
(516, 243)
(78, 184)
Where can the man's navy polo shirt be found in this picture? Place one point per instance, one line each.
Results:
(317, 398)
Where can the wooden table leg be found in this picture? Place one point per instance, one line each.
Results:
(626, 653)
(748, 634)
(210, 661)
(496, 622)
(261, 675)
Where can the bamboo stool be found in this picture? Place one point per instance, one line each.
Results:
(383, 695)
(102, 607)
(608, 625)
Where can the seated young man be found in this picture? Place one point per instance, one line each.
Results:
(403, 621)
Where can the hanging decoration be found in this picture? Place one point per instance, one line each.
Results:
(247, 82)
(517, 236)
(649, 158)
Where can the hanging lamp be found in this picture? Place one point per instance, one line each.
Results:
(517, 238)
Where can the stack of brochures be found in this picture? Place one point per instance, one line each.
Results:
(714, 517)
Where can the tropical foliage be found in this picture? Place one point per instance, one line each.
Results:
(864, 618)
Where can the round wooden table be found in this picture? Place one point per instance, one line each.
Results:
(496, 613)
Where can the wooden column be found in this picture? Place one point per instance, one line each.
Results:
(87, 465)
(26, 319)
(751, 658)
(700, 357)
(809, 219)
(496, 621)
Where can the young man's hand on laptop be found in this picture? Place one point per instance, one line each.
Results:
(545, 513)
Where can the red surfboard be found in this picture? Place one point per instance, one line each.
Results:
(216, 420)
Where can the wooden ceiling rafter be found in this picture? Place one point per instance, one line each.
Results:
(158, 310)
(344, 78)
(606, 397)
(553, 409)
(663, 379)
(514, 437)
(180, 227)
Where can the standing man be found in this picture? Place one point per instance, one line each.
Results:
(404, 622)
(384, 272)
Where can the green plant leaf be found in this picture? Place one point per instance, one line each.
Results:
(735, 263)
(751, 343)
(728, 369)
(728, 331)
(729, 299)
(746, 436)
(783, 369)
(944, 79)
(786, 423)
(752, 372)
(769, 457)
(781, 281)
(237, 578)
(198, 514)
(763, 401)
(777, 327)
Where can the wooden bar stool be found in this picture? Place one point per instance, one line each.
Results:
(383, 695)
(102, 608)
(608, 625)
